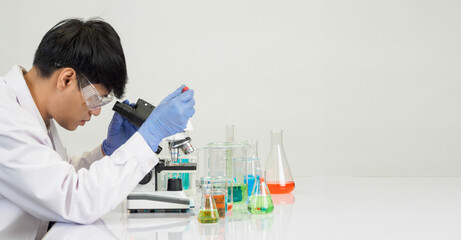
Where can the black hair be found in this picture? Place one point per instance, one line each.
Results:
(91, 48)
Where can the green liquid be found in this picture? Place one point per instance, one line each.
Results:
(260, 204)
(208, 216)
(240, 192)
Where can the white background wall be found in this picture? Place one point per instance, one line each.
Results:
(361, 88)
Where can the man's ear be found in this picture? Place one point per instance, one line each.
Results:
(66, 78)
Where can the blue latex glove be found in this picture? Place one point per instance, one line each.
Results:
(120, 130)
(169, 117)
(173, 94)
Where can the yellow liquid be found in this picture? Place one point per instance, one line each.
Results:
(208, 216)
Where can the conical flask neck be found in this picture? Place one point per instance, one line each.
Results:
(260, 184)
(276, 137)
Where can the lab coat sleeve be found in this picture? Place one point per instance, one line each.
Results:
(86, 159)
(83, 161)
(34, 177)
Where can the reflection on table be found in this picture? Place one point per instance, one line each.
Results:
(359, 208)
(119, 224)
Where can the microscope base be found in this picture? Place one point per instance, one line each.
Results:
(159, 201)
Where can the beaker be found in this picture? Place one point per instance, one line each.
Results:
(252, 163)
(200, 157)
(220, 191)
(208, 212)
(279, 178)
(260, 200)
(228, 160)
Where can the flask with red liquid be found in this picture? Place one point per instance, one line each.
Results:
(278, 175)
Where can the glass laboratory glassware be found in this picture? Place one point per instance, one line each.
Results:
(200, 155)
(219, 186)
(230, 139)
(229, 133)
(260, 200)
(220, 191)
(228, 160)
(229, 194)
(208, 212)
(279, 178)
(252, 163)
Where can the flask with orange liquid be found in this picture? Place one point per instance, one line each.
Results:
(279, 178)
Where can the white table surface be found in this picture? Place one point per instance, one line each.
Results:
(319, 208)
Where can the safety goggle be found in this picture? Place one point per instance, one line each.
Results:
(91, 96)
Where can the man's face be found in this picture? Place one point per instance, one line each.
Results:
(72, 110)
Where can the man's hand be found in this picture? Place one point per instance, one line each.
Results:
(169, 117)
(120, 130)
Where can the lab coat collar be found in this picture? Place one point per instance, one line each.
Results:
(15, 80)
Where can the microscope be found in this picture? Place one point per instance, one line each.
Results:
(167, 186)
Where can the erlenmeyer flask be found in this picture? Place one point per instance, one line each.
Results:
(260, 200)
(219, 189)
(208, 211)
(279, 178)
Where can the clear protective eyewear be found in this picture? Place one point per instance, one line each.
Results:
(91, 96)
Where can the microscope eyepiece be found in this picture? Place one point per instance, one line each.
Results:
(135, 115)
(118, 107)
(124, 110)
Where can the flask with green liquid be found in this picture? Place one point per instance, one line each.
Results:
(260, 201)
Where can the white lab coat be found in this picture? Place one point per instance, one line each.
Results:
(38, 181)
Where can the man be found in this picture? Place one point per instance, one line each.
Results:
(77, 68)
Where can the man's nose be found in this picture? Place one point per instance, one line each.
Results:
(95, 111)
